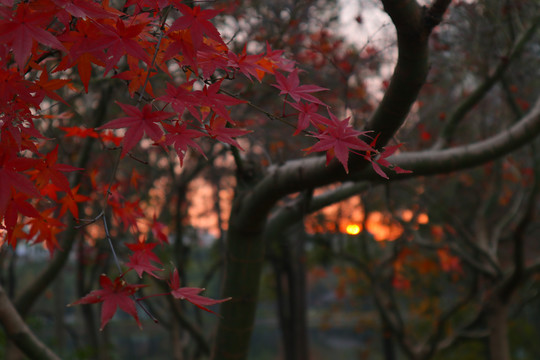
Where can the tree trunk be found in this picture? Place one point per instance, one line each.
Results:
(292, 292)
(497, 322)
(244, 260)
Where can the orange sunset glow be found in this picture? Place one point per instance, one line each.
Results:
(346, 217)
(353, 229)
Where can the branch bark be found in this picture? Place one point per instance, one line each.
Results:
(20, 334)
(431, 162)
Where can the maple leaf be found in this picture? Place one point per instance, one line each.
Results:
(18, 204)
(79, 131)
(25, 27)
(70, 201)
(275, 57)
(120, 40)
(113, 295)
(14, 87)
(180, 42)
(11, 177)
(48, 170)
(180, 99)
(142, 258)
(380, 159)
(157, 228)
(43, 229)
(307, 114)
(18, 129)
(138, 122)
(80, 9)
(136, 77)
(291, 86)
(85, 48)
(196, 21)
(247, 64)
(449, 262)
(211, 97)
(125, 212)
(45, 87)
(338, 139)
(211, 56)
(191, 294)
(181, 138)
(142, 5)
(272, 60)
(218, 130)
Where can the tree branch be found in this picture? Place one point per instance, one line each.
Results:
(478, 94)
(431, 162)
(19, 333)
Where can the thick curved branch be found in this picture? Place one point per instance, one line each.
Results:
(431, 162)
(19, 333)
(411, 68)
(291, 214)
(296, 175)
(436, 11)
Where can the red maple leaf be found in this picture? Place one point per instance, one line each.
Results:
(11, 177)
(21, 29)
(17, 204)
(181, 138)
(218, 130)
(338, 139)
(136, 77)
(14, 87)
(138, 122)
(48, 170)
(180, 42)
(142, 258)
(449, 262)
(80, 9)
(180, 99)
(145, 5)
(85, 48)
(157, 228)
(113, 295)
(70, 201)
(45, 87)
(290, 85)
(191, 294)
(211, 97)
(277, 61)
(196, 21)
(125, 212)
(79, 131)
(247, 64)
(122, 39)
(43, 229)
(307, 114)
(380, 159)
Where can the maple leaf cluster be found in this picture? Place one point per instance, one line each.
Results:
(42, 42)
(118, 293)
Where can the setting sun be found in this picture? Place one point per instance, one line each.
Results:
(352, 229)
